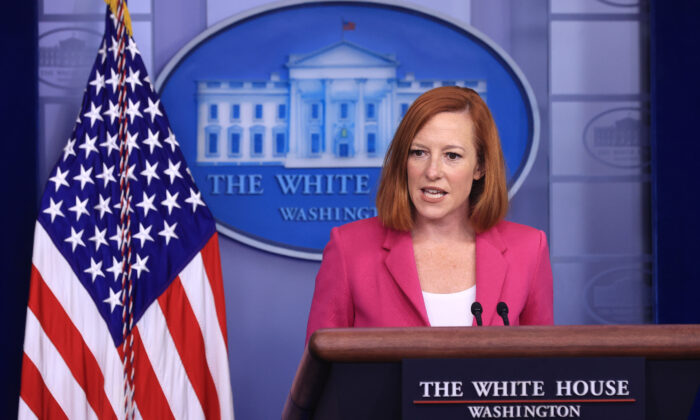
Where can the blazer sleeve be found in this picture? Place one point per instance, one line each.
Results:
(539, 308)
(331, 306)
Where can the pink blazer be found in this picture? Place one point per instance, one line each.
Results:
(368, 278)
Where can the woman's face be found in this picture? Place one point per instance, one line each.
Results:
(442, 164)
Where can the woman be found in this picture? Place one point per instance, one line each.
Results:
(440, 242)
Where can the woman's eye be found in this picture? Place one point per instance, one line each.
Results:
(453, 156)
(417, 152)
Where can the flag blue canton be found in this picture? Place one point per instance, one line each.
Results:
(80, 208)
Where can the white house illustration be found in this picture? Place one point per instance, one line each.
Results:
(339, 108)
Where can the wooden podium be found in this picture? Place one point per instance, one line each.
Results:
(355, 373)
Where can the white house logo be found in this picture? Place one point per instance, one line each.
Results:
(619, 137)
(621, 3)
(339, 107)
(285, 115)
(66, 56)
(604, 292)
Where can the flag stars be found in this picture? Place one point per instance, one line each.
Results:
(116, 268)
(171, 140)
(114, 23)
(99, 239)
(152, 140)
(106, 175)
(133, 78)
(150, 172)
(147, 79)
(110, 143)
(113, 81)
(75, 238)
(93, 114)
(60, 178)
(102, 52)
(140, 265)
(130, 173)
(173, 171)
(69, 149)
(168, 232)
(103, 206)
(153, 109)
(89, 145)
(118, 237)
(54, 209)
(95, 269)
(112, 112)
(132, 110)
(131, 141)
(170, 201)
(120, 120)
(147, 203)
(79, 208)
(114, 47)
(144, 234)
(132, 48)
(195, 199)
(98, 82)
(113, 300)
(84, 177)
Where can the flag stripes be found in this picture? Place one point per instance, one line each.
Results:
(148, 393)
(167, 366)
(211, 261)
(57, 275)
(74, 347)
(206, 307)
(55, 372)
(190, 347)
(59, 328)
(36, 400)
(24, 413)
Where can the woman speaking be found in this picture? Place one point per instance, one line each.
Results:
(439, 243)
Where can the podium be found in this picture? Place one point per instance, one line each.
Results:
(355, 373)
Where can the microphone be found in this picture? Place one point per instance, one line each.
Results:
(502, 310)
(477, 310)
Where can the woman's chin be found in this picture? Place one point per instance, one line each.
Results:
(432, 216)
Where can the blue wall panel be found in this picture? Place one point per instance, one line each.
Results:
(18, 119)
(675, 65)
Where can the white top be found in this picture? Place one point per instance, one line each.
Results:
(450, 309)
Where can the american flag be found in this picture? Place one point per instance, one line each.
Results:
(126, 311)
(348, 26)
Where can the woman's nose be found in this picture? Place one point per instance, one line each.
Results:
(434, 169)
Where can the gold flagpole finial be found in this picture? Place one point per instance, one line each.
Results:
(113, 5)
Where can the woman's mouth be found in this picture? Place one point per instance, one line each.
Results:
(433, 193)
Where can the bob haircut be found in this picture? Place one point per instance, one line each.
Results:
(488, 200)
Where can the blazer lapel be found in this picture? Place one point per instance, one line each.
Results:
(491, 269)
(401, 263)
